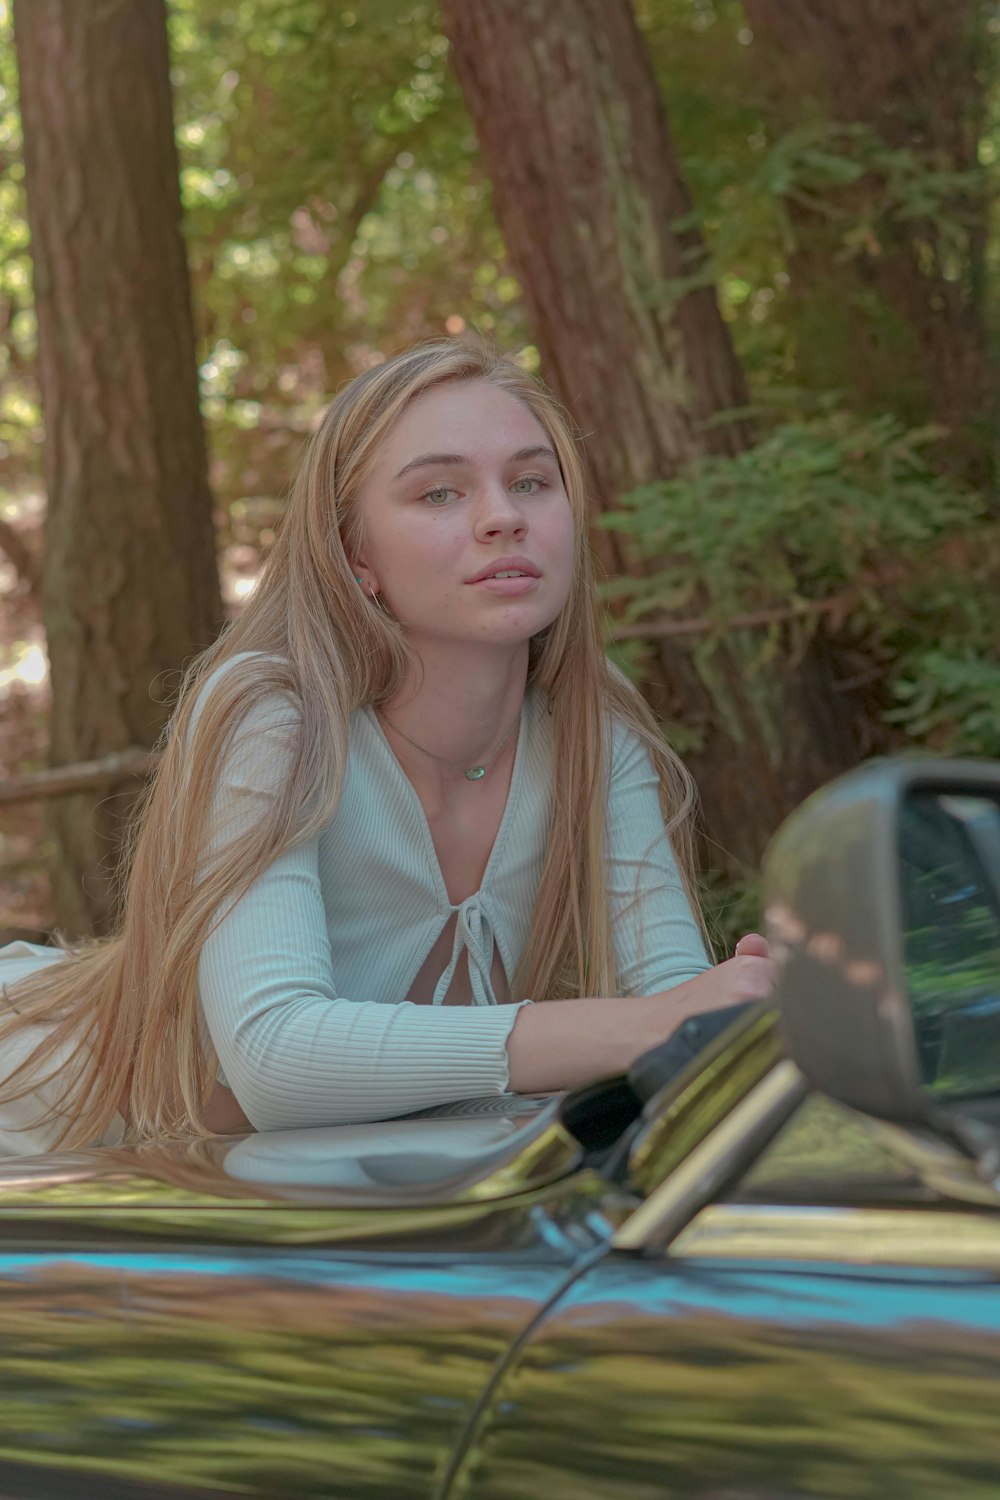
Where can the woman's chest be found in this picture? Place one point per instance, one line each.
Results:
(464, 838)
(459, 991)
(391, 864)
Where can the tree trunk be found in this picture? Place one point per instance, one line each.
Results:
(913, 72)
(588, 192)
(131, 588)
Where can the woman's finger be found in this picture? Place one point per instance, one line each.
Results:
(752, 945)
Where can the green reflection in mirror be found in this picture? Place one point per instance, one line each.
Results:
(950, 865)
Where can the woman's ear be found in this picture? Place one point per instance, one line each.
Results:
(364, 576)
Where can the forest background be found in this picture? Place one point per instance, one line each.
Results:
(753, 247)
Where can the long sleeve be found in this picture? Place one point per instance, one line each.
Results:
(294, 1051)
(657, 940)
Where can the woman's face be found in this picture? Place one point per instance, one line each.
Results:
(467, 485)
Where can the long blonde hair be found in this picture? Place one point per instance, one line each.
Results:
(130, 1002)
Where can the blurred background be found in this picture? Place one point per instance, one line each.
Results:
(751, 244)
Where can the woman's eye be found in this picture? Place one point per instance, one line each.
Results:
(439, 495)
(535, 481)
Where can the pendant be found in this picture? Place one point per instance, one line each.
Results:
(475, 773)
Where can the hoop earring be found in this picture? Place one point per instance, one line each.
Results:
(373, 597)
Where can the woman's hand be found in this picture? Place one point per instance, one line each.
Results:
(748, 975)
(752, 944)
(561, 1045)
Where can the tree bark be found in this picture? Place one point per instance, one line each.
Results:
(588, 193)
(913, 71)
(130, 588)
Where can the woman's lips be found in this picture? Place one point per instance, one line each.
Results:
(522, 585)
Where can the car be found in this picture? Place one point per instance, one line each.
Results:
(764, 1264)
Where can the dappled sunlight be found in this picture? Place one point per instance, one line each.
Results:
(23, 662)
(239, 570)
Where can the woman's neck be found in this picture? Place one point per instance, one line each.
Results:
(458, 706)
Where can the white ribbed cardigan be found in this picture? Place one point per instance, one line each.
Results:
(302, 980)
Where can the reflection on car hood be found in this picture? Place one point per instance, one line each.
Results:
(458, 1155)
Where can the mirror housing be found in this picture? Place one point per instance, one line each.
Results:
(836, 911)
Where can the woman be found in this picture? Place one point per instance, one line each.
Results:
(404, 803)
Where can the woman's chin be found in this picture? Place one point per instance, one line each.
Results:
(516, 629)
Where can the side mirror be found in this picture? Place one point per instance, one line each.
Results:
(882, 897)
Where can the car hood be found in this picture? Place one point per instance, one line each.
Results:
(405, 1162)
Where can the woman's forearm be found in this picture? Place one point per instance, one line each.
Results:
(570, 1042)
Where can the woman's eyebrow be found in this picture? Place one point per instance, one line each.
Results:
(430, 460)
(427, 460)
(523, 454)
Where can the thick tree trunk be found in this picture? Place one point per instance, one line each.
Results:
(131, 585)
(587, 191)
(913, 71)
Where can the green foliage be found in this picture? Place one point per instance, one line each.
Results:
(802, 212)
(805, 163)
(806, 510)
(838, 519)
(335, 210)
(951, 701)
(800, 514)
(718, 113)
(20, 417)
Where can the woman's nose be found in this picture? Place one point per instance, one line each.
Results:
(500, 514)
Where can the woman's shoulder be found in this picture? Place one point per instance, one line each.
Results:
(228, 663)
(630, 732)
(271, 709)
(624, 740)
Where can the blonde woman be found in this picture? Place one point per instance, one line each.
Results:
(411, 838)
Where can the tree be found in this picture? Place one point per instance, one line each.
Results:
(597, 221)
(130, 587)
(891, 225)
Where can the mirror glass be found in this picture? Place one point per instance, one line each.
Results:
(950, 863)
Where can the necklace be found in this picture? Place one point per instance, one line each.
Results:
(472, 773)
